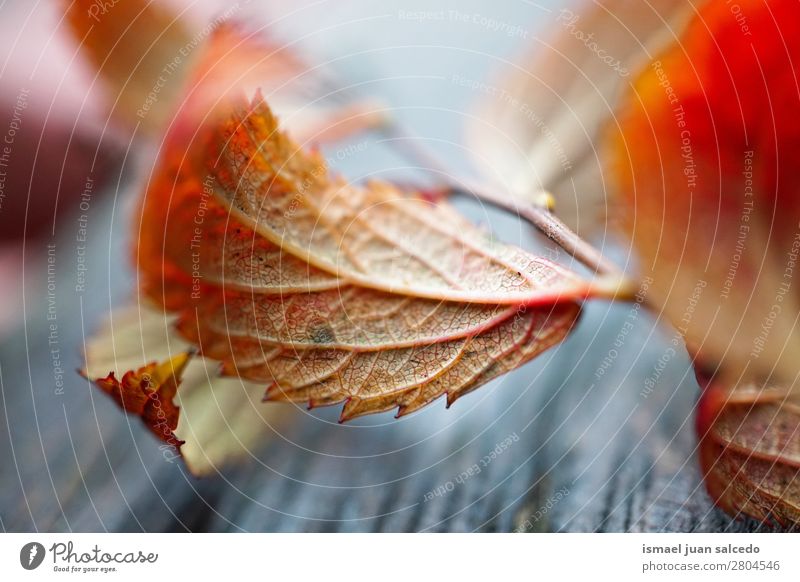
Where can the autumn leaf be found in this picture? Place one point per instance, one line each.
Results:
(707, 158)
(219, 418)
(374, 236)
(324, 292)
(286, 277)
(164, 80)
(705, 152)
(328, 292)
(149, 392)
(750, 451)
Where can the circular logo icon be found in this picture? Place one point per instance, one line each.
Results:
(31, 555)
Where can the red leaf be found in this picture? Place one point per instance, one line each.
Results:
(148, 393)
(750, 452)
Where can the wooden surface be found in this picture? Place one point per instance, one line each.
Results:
(588, 452)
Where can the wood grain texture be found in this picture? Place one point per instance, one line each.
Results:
(620, 460)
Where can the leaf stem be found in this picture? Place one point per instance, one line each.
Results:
(610, 282)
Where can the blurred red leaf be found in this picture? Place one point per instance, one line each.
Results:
(706, 152)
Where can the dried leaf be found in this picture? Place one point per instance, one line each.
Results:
(375, 236)
(148, 392)
(328, 292)
(750, 452)
(321, 291)
(220, 418)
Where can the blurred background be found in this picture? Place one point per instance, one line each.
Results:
(584, 446)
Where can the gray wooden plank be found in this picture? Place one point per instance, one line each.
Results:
(626, 462)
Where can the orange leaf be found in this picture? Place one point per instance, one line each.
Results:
(220, 419)
(375, 236)
(328, 292)
(323, 291)
(148, 393)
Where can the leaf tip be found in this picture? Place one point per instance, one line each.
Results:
(149, 392)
